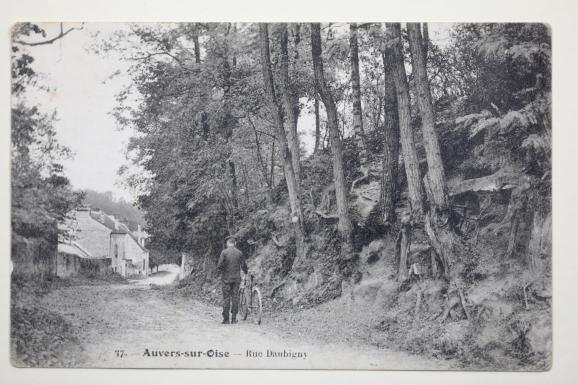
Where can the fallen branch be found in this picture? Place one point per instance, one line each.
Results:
(359, 180)
(365, 176)
(274, 290)
(326, 216)
(498, 111)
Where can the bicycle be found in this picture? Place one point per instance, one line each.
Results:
(250, 300)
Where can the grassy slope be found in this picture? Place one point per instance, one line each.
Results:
(38, 336)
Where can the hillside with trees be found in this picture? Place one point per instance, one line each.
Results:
(121, 209)
(426, 194)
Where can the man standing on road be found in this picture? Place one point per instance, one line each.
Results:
(231, 261)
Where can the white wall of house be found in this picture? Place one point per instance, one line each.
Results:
(117, 253)
(128, 257)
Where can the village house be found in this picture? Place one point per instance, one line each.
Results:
(129, 257)
(104, 237)
(73, 259)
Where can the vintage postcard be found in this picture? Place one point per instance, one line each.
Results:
(331, 195)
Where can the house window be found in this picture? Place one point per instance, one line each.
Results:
(115, 251)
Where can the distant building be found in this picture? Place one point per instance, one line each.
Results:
(104, 237)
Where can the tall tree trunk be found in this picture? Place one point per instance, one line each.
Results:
(290, 102)
(296, 39)
(197, 47)
(231, 164)
(444, 241)
(234, 184)
(344, 225)
(229, 120)
(389, 188)
(436, 173)
(425, 34)
(204, 115)
(263, 164)
(272, 170)
(408, 150)
(317, 125)
(276, 110)
(246, 183)
(356, 95)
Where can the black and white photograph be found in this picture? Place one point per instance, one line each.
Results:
(267, 195)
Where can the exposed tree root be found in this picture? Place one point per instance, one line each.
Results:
(463, 302)
(441, 243)
(451, 303)
(417, 306)
(362, 178)
(404, 242)
(367, 174)
(524, 288)
(276, 241)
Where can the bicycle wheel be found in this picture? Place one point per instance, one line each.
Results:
(257, 304)
(243, 305)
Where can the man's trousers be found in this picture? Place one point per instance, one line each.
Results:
(230, 298)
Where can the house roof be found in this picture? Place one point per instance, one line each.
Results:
(92, 230)
(73, 248)
(137, 242)
(91, 234)
(110, 223)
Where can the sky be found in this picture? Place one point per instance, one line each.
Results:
(83, 94)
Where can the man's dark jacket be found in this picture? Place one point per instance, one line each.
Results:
(230, 264)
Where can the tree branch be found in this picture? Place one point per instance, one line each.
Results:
(50, 41)
(259, 131)
(146, 57)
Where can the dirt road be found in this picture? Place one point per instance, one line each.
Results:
(132, 325)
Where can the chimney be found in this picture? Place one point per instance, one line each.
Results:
(115, 222)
